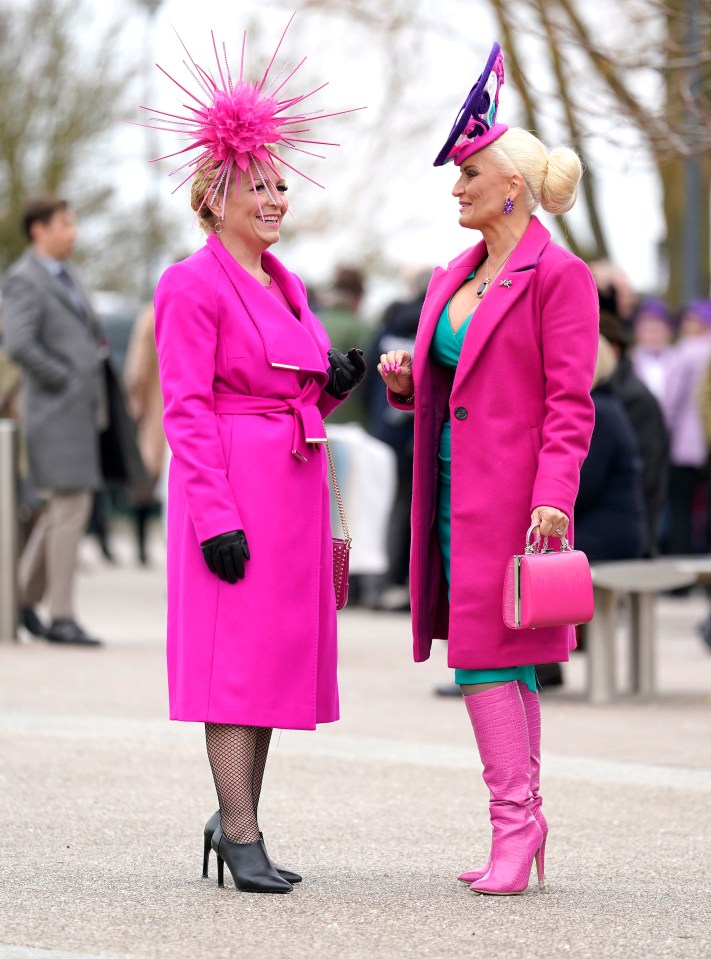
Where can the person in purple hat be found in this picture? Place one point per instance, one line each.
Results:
(500, 386)
(653, 333)
(689, 452)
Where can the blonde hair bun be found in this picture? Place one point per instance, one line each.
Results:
(560, 183)
(551, 178)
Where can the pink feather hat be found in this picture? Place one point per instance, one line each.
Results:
(238, 126)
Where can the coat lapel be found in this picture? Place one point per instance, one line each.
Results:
(505, 291)
(288, 344)
(443, 285)
(41, 275)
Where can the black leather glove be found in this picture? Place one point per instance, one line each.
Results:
(225, 555)
(346, 371)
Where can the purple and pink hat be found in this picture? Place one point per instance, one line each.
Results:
(476, 126)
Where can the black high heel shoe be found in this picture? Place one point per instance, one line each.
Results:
(210, 828)
(251, 868)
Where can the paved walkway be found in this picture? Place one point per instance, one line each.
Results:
(102, 803)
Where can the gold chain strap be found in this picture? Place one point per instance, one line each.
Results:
(337, 491)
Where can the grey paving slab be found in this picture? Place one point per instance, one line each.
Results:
(102, 803)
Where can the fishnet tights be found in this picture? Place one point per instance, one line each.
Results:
(238, 755)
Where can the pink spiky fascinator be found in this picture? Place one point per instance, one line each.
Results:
(238, 125)
(476, 126)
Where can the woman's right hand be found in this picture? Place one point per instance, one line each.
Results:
(395, 368)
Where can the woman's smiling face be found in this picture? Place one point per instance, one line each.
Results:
(481, 189)
(253, 214)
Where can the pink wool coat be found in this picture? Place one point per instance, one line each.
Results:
(243, 384)
(522, 419)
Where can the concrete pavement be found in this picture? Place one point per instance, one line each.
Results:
(102, 803)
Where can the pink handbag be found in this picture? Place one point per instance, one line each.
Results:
(546, 587)
(341, 547)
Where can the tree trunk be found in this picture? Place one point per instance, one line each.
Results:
(686, 180)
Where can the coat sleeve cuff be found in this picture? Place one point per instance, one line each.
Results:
(400, 402)
(550, 491)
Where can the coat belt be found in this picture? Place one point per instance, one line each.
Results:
(308, 421)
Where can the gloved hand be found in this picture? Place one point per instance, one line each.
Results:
(346, 372)
(225, 555)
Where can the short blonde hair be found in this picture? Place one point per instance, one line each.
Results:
(199, 188)
(551, 177)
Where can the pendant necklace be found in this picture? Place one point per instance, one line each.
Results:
(484, 286)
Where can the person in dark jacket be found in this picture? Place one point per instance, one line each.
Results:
(610, 522)
(648, 424)
(396, 428)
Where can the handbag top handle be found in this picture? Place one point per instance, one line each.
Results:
(540, 544)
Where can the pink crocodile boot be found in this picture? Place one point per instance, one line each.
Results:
(532, 706)
(499, 721)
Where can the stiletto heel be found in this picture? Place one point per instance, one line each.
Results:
(220, 870)
(540, 864)
(210, 826)
(206, 853)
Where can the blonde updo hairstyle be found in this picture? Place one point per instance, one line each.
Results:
(550, 178)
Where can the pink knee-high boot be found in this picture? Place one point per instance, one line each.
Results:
(499, 721)
(532, 705)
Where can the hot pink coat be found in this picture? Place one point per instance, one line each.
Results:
(243, 384)
(522, 419)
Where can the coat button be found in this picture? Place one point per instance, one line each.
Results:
(461, 413)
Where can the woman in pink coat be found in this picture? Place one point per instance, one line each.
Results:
(500, 385)
(247, 378)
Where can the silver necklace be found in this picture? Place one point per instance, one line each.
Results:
(483, 287)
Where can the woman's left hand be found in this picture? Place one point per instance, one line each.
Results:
(551, 521)
(347, 370)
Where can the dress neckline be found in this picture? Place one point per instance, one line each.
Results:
(465, 324)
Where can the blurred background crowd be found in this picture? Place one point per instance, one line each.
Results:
(645, 487)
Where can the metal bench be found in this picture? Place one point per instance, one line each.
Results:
(640, 580)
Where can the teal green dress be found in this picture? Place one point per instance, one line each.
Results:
(445, 349)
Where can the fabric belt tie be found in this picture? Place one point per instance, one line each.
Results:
(308, 421)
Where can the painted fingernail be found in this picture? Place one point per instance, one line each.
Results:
(397, 369)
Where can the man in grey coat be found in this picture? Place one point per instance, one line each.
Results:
(51, 330)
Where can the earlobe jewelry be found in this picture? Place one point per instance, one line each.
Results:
(508, 205)
(219, 226)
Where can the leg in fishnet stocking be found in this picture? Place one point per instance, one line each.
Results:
(264, 736)
(231, 751)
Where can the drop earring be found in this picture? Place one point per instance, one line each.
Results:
(508, 206)
(219, 226)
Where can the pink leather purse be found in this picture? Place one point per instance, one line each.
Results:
(547, 587)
